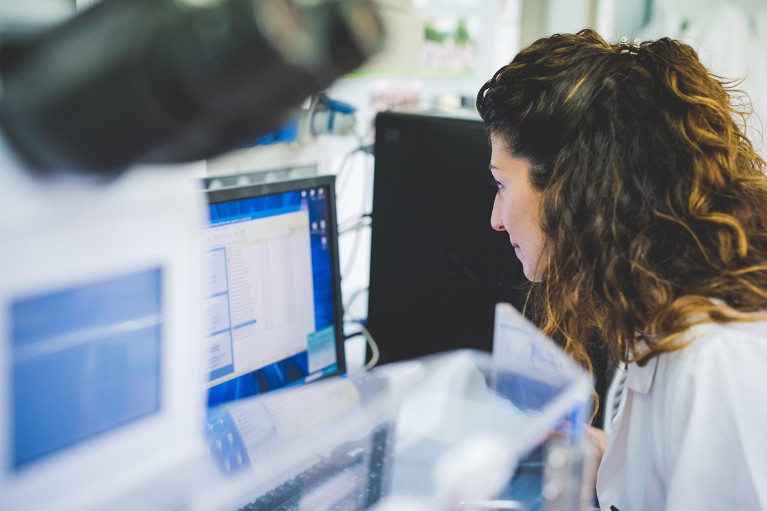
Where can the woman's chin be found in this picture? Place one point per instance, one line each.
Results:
(530, 273)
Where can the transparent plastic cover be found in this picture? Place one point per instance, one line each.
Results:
(434, 433)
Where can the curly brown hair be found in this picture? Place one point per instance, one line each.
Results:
(654, 202)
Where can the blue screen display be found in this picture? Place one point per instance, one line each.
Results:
(295, 368)
(84, 360)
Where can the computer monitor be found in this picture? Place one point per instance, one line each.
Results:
(274, 295)
(437, 268)
(100, 313)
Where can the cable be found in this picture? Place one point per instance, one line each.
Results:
(341, 179)
(367, 184)
(359, 223)
(375, 354)
(353, 297)
(355, 246)
(348, 224)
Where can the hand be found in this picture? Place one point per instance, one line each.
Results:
(598, 439)
(595, 449)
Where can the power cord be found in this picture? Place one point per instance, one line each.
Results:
(375, 354)
(341, 179)
(353, 298)
(363, 220)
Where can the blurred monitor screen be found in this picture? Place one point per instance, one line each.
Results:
(274, 292)
(86, 360)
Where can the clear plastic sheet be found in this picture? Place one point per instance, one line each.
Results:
(439, 433)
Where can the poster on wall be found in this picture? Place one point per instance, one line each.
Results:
(450, 45)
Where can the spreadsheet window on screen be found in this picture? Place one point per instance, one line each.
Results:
(273, 290)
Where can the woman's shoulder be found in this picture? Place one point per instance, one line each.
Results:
(722, 345)
(711, 336)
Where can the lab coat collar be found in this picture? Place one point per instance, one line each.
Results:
(639, 379)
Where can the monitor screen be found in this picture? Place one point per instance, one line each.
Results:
(86, 360)
(437, 268)
(274, 295)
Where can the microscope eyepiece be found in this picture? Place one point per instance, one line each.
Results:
(163, 81)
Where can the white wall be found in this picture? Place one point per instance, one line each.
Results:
(730, 36)
(731, 40)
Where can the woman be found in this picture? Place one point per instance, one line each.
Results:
(639, 210)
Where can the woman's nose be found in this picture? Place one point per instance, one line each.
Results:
(495, 217)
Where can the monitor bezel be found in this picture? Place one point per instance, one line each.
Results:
(217, 196)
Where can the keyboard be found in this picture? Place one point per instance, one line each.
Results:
(351, 478)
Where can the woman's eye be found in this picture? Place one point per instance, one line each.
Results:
(494, 183)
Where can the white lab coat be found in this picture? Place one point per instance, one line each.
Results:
(691, 430)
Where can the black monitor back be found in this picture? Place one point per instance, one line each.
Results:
(436, 264)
